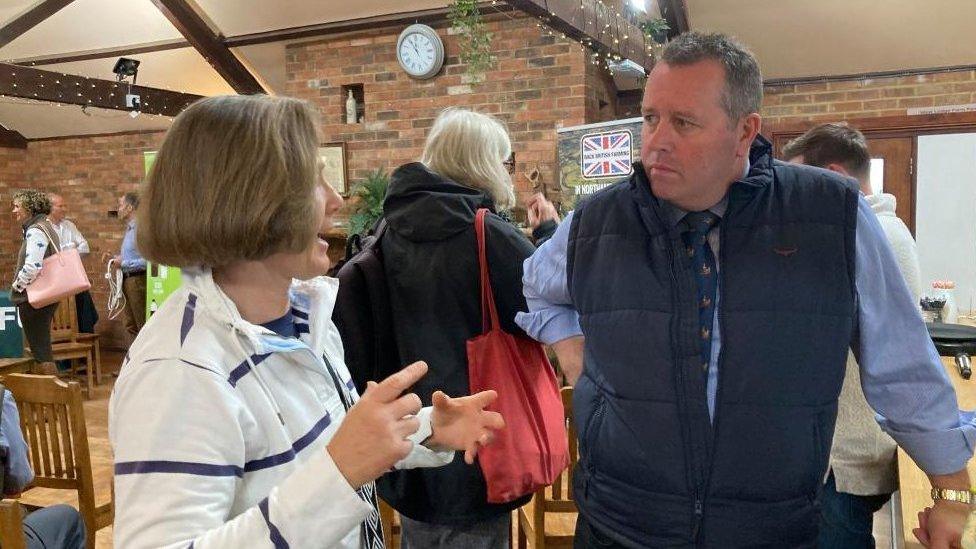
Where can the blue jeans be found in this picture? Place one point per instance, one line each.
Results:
(846, 520)
(55, 527)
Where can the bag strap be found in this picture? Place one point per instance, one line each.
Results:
(489, 314)
(50, 239)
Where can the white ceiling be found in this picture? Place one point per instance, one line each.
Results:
(794, 38)
(791, 38)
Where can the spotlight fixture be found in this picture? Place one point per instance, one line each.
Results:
(126, 67)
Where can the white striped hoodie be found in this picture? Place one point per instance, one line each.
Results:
(219, 428)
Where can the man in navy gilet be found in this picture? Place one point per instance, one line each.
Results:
(703, 309)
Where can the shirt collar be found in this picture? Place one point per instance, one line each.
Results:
(676, 214)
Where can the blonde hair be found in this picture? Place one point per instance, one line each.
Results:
(234, 180)
(33, 201)
(470, 148)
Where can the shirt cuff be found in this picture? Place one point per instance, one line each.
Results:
(941, 452)
(551, 325)
(422, 456)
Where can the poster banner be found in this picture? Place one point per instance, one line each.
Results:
(11, 333)
(594, 156)
(161, 281)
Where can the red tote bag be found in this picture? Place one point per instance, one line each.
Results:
(532, 449)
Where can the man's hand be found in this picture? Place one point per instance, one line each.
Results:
(941, 526)
(373, 435)
(539, 209)
(570, 354)
(463, 423)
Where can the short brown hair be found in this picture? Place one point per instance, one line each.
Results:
(33, 201)
(233, 180)
(743, 79)
(832, 143)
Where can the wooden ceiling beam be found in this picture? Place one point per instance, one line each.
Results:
(211, 46)
(104, 53)
(676, 14)
(11, 139)
(55, 87)
(30, 19)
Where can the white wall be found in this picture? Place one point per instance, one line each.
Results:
(945, 222)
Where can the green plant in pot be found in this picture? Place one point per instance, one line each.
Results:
(367, 204)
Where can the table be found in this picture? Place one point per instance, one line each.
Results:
(913, 484)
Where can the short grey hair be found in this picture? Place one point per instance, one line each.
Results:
(470, 148)
(743, 79)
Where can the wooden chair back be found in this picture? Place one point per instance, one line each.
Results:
(52, 418)
(64, 326)
(555, 500)
(559, 498)
(12, 525)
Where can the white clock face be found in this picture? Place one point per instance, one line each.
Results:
(417, 54)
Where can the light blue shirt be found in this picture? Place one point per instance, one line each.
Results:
(901, 372)
(17, 472)
(132, 260)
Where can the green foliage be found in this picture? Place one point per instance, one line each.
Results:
(655, 29)
(368, 205)
(474, 38)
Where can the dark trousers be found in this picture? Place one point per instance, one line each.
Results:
(588, 537)
(37, 329)
(846, 520)
(490, 534)
(55, 527)
(134, 289)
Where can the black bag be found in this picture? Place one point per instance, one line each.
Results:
(362, 314)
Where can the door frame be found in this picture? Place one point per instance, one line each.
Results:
(880, 127)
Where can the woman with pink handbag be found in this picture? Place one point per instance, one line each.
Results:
(31, 208)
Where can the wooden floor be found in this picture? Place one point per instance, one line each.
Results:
(96, 416)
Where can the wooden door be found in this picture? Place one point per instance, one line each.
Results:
(898, 154)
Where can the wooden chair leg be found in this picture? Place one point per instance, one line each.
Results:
(89, 375)
(98, 362)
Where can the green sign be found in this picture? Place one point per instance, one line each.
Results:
(161, 281)
(11, 333)
(594, 156)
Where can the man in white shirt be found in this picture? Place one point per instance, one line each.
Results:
(69, 234)
(71, 237)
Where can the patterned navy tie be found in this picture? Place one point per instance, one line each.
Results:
(697, 225)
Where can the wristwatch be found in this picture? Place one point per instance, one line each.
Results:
(959, 496)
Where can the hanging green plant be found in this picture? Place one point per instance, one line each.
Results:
(368, 202)
(656, 29)
(474, 38)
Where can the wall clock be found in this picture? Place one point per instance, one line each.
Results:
(420, 51)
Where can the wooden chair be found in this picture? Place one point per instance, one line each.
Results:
(391, 525)
(53, 421)
(549, 518)
(65, 344)
(12, 525)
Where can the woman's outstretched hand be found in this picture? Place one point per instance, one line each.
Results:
(463, 423)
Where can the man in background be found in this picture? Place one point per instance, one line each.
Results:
(133, 267)
(863, 467)
(71, 237)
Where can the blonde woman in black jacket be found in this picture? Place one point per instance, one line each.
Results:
(431, 265)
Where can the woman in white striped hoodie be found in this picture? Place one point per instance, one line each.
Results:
(234, 422)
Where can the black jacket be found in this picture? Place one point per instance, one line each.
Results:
(431, 262)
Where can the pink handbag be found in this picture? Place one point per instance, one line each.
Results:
(62, 275)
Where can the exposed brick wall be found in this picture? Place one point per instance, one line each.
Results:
(91, 173)
(831, 101)
(537, 84)
(13, 176)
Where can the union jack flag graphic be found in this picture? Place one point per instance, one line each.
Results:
(606, 154)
